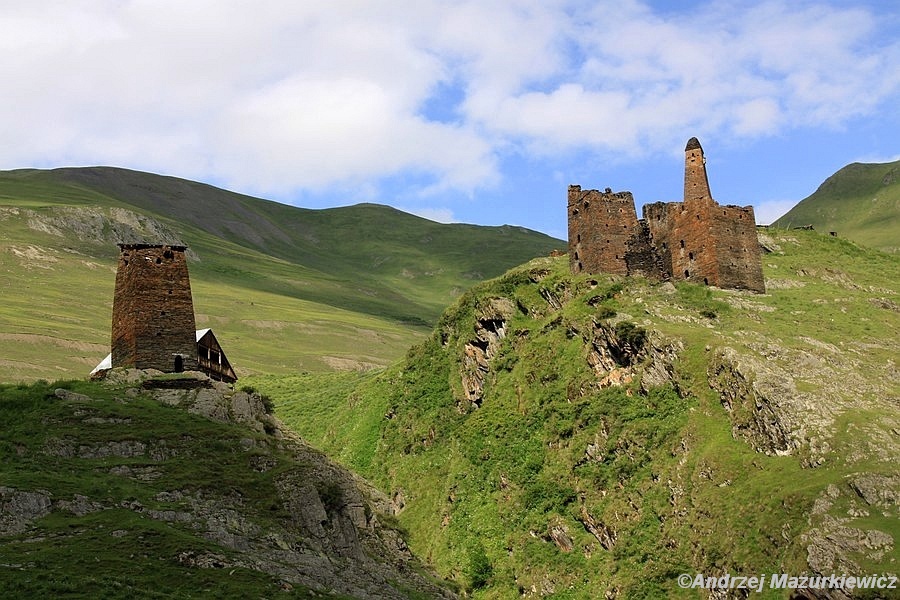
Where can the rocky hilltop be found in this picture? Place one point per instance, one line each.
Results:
(596, 436)
(148, 484)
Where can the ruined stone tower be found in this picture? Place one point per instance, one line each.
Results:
(696, 184)
(153, 314)
(695, 240)
(605, 235)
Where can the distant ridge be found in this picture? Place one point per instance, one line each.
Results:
(339, 288)
(860, 202)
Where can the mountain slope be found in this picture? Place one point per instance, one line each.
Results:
(594, 436)
(860, 202)
(336, 288)
(151, 487)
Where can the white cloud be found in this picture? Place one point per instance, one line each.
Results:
(877, 159)
(768, 211)
(284, 96)
(440, 215)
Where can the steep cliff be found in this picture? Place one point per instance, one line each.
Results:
(595, 436)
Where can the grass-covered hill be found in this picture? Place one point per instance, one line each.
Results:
(161, 487)
(286, 289)
(860, 202)
(595, 436)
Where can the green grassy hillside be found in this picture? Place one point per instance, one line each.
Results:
(163, 489)
(593, 436)
(287, 289)
(860, 202)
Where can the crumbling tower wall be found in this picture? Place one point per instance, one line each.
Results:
(604, 233)
(696, 182)
(739, 262)
(695, 240)
(153, 323)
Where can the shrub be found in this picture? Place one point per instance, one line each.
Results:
(630, 333)
(480, 569)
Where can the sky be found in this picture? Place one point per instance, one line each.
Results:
(481, 111)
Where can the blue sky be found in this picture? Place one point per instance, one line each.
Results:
(478, 111)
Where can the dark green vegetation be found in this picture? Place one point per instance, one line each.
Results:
(861, 202)
(571, 480)
(286, 289)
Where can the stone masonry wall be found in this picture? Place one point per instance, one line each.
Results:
(696, 182)
(696, 240)
(690, 251)
(602, 226)
(153, 323)
(737, 246)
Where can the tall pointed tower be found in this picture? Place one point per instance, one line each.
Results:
(696, 185)
(153, 323)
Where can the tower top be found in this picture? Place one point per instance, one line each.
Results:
(696, 184)
(143, 246)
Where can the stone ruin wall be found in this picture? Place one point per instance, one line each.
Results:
(696, 240)
(153, 312)
(684, 240)
(601, 225)
(737, 246)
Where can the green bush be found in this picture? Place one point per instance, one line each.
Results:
(479, 570)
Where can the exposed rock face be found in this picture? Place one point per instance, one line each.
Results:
(757, 402)
(490, 328)
(19, 508)
(112, 225)
(834, 545)
(622, 351)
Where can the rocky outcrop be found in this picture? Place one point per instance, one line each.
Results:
(622, 351)
(490, 328)
(102, 226)
(757, 401)
(835, 543)
(322, 528)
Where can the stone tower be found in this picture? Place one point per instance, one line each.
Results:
(696, 184)
(153, 323)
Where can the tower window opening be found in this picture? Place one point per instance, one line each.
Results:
(687, 273)
(158, 260)
(682, 243)
(705, 281)
(690, 255)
